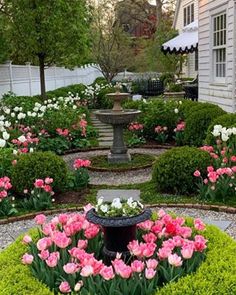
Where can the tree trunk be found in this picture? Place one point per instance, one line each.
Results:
(42, 75)
(158, 12)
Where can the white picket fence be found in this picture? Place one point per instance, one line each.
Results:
(25, 79)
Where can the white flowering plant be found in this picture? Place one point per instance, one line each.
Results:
(118, 208)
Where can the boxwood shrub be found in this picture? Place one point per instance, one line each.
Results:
(6, 158)
(197, 124)
(227, 120)
(38, 165)
(173, 170)
(216, 275)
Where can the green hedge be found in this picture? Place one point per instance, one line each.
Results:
(173, 170)
(216, 275)
(197, 124)
(39, 165)
(227, 120)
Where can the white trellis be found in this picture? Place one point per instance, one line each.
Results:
(25, 80)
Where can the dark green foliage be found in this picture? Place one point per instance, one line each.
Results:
(185, 107)
(197, 124)
(167, 78)
(175, 87)
(173, 170)
(227, 120)
(38, 165)
(6, 158)
(198, 106)
(63, 91)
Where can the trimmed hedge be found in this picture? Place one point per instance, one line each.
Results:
(173, 170)
(227, 120)
(6, 158)
(197, 124)
(38, 165)
(216, 275)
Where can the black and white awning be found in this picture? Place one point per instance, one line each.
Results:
(185, 42)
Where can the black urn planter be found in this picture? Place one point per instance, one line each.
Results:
(118, 232)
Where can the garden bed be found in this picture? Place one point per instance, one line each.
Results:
(216, 275)
(138, 161)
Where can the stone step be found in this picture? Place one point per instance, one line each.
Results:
(105, 138)
(104, 134)
(105, 144)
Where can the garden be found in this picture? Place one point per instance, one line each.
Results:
(166, 253)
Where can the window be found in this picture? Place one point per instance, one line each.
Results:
(219, 46)
(188, 14)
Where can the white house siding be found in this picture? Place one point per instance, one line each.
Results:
(222, 94)
(189, 67)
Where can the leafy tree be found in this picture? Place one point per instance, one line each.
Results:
(47, 32)
(111, 45)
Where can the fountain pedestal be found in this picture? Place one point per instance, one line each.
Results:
(119, 119)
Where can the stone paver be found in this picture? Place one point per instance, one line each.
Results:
(110, 194)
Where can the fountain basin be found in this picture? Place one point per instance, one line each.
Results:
(123, 117)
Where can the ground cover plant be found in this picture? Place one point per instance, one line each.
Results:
(167, 248)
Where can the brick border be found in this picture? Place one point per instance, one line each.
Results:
(226, 209)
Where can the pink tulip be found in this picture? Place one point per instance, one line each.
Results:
(61, 240)
(87, 271)
(27, 239)
(53, 258)
(149, 238)
(125, 271)
(164, 253)
(40, 219)
(44, 254)
(175, 260)
(152, 263)
(147, 249)
(44, 243)
(149, 273)
(107, 273)
(161, 213)
(137, 266)
(199, 243)
(70, 268)
(146, 225)
(187, 252)
(233, 158)
(48, 180)
(134, 248)
(82, 244)
(185, 232)
(39, 183)
(27, 258)
(64, 287)
(197, 173)
(198, 224)
(91, 232)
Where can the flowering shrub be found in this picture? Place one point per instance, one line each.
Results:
(40, 198)
(118, 208)
(179, 133)
(136, 130)
(6, 208)
(66, 255)
(161, 134)
(220, 183)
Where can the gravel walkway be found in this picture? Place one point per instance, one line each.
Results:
(115, 178)
(9, 232)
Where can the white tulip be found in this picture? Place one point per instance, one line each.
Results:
(224, 137)
(2, 118)
(13, 115)
(176, 111)
(104, 208)
(2, 143)
(100, 201)
(5, 135)
(22, 138)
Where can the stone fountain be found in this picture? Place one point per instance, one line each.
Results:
(119, 119)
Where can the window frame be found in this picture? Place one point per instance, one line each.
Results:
(188, 14)
(219, 46)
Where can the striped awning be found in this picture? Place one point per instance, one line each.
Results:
(185, 42)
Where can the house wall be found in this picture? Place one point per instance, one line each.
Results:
(189, 68)
(222, 94)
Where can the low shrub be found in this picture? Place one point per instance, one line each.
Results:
(198, 106)
(37, 165)
(198, 122)
(173, 170)
(227, 120)
(6, 158)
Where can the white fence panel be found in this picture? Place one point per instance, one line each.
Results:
(25, 79)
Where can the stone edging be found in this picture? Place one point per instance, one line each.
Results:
(97, 169)
(225, 209)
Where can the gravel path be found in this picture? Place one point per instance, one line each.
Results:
(9, 232)
(115, 178)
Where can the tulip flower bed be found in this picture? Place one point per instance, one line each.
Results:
(67, 257)
(57, 124)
